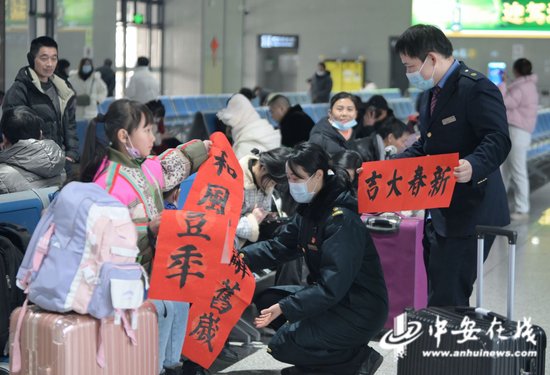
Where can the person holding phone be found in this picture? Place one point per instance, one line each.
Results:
(377, 113)
(262, 171)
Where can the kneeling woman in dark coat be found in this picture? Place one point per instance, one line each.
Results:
(326, 326)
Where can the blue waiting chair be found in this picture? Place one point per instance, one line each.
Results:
(25, 207)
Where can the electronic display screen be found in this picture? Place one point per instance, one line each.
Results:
(495, 71)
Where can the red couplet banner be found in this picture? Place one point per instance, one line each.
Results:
(219, 188)
(218, 310)
(187, 267)
(195, 259)
(189, 247)
(407, 184)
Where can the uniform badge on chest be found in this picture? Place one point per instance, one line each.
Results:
(448, 120)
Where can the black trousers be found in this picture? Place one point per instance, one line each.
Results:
(451, 266)
(313, 344)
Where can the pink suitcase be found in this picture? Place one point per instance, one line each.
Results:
(66, 344)
(399, 246)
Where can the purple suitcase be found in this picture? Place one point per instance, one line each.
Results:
(398, 241)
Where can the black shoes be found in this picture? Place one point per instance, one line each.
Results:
(177, 370)
(191, 368)
(295, 370)
(371, 363)
(228, 354)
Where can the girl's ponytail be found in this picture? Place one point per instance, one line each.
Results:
(94, 151)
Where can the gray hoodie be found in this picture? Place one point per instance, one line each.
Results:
(30, 164)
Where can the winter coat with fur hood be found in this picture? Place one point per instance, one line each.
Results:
(248, 130)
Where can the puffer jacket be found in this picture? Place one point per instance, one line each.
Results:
(330, 139)
(60, 127)
(248, 130)
(371, 148)
(31, 164)
(139, 183)
(94, 87)
(521, 99)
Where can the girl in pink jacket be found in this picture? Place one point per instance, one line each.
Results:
(521, 99)
(127, 171)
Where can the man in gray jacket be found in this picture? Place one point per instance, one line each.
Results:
(26, 161)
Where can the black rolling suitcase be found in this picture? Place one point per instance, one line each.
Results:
(474, 341)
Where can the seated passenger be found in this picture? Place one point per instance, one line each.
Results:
(389, 139)
(261, 172)
(326, 326)
(350, 161)
(163, 140)
(248, 130)
(335, 132)
(377, 112)
(27, 161)
(294, 124)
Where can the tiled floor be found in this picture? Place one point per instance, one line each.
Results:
(532, 297)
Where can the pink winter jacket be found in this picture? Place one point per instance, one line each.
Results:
(521, 99)
(139, 185)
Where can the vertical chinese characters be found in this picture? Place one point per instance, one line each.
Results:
(182, 260)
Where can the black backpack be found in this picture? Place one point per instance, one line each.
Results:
(13, 243)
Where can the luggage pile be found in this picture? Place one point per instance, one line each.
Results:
(80, 273)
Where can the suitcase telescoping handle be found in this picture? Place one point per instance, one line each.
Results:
(481, 231)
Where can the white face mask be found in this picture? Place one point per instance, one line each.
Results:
(300, 192)
(416, 79)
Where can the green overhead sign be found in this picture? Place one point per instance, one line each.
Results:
(491, 16)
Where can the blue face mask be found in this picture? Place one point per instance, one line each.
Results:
(86, 69)
(300, 192)
(420, 82)
(344, 126)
